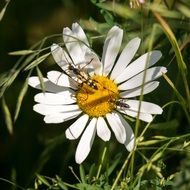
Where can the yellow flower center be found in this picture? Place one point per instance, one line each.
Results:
(97, 102)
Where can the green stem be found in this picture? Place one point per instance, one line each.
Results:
(187, 94)
(141, 97)
(121, 171)
(101, 162)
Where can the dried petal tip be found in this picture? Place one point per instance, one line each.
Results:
(142, 1)
(136, 3)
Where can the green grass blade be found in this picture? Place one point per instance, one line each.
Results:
(114, 164)
(8, 80)
(180, 97)
(183, 102)
(40, 76)
(3, 78)
(2, 13)
(91, 173)
(123, 11)
(164, 11)
(37, 61)
(21, 97)
(166, 28)
(7, 114)
(43, 180)
(183, 9)
(21, 52)
(82, 174)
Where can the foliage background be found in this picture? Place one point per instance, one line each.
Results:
(34, 147)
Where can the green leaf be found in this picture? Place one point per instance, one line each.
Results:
(37, 61)
(115, 163)
(20, 98)
(43, 180)
(160, 137)
(29, 59)
(13, 76)
(169, 3)
(156, 156)
(163, 11)
(3, 78)
(123, 11)
(91, 172)
(183, 9)
(8, 81)
(40, 76)
(21, 52)
(82, 174)
(180, 97)
(173, 124)
(148, 142)
(60, 183)
(2, 13)
(107, 16)
(166, 28)
(8, 119)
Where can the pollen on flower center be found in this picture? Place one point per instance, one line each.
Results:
(98, 102)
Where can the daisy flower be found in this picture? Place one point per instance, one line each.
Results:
(97, 93)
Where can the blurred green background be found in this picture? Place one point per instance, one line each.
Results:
(35, 147)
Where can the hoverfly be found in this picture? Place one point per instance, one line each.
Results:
(75, 71)
(82, 76)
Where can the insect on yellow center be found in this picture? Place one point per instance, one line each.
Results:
(98, 102)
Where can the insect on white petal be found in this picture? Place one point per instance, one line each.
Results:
(77, 71)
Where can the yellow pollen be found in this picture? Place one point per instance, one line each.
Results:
(97, 102)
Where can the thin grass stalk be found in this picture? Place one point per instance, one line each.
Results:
(101, 162)
(121, 171)
(181, 64)
(141, 98)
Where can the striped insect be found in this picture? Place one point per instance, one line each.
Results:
(77, 72)
(82, 76)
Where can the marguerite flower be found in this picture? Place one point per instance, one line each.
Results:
(99, 93)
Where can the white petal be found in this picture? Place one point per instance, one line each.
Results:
(49, 86)
(142, 116)
(130, 141)
(102, 129)
(111, 48)
(75, 130)
(61, 79)
(149, 87)
(60, 56)
(55, 99)
(78, 31)
(151, 74)
(125, 58)
(86, 142)
(145, 107)
(61, 117)
(130, 138)
(74, 45)
(52, 109)
(117, 125)
(95, 63)
(140, 64)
